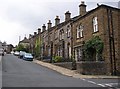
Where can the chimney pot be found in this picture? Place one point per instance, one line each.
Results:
(30, 35)
(82, 8)
(67, 16)
(57, 20)
(35, 33)
(39, 30)
(82, 2)
(43, 27)
(49, 24)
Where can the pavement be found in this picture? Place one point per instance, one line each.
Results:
(0, 72)
(72, 73)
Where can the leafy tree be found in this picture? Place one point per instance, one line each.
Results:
(93, 45)
(37, 47)
(21, 47)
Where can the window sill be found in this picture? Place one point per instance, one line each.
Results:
(79, 38)
(95, 32)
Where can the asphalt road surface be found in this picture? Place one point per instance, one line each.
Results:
(19, 73)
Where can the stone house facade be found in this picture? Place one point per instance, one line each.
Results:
(102, 21)
(25, 42)
(67, 39)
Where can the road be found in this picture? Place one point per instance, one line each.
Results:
(19, 73)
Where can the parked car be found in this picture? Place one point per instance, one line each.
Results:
(22, 53)
(12, 52)
(1, 52)
(16, 53)
(47, 59)
(28, 57)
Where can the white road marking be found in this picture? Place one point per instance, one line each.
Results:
(102, 84)
(108, 85)
(83, 79)
(92, 82)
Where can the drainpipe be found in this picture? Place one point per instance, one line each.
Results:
(111, 42)
(110, 47)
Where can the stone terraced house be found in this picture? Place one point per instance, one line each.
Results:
(94, 34)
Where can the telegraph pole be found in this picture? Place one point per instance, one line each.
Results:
(19, 38)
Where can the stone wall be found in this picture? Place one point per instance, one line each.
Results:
(92, 68)
(67, 65)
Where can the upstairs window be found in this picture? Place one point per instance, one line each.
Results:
(56, 34)
(61, 34)
(80, 31)
(95, 24)
(68, 31)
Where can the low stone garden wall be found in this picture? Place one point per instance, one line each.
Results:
(67, 65)
(92, 68)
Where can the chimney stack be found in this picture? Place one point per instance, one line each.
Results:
(39, 30)
(57, 20)
(35, 33)
(82, 8)
(67, 16)
(49, 24)
(30, 36)
(43, 28)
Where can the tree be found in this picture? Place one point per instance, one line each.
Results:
(37, 47)
(21, 47)
(93, 46)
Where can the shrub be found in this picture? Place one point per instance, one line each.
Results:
(57, 59)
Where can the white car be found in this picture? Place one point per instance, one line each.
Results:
(16, 53)
(22, 53)
(12, 52)
(28, 57)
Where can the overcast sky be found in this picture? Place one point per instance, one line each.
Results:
(23, 17)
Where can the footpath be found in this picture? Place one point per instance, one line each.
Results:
(0, 72)
(72, 73)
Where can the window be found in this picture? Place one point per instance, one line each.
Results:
(49, 51)
(80, 31)
(56, 34)
(95, 24)
(79, 53)
(61, 34)
(68, 31)
(69, 50)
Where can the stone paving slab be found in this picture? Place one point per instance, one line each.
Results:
(71, 73)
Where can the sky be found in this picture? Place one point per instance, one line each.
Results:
(19, 18)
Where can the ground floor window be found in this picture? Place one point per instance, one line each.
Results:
(78, 54)
(49, 51)
(69, 51)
